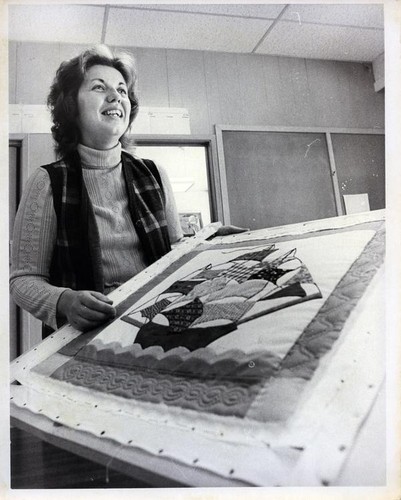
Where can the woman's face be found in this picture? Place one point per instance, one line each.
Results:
(103, 107)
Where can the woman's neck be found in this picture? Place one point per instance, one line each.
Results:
(103, 158)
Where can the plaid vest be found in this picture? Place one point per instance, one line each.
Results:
(77, 260)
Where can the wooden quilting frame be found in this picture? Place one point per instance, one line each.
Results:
(303, 474)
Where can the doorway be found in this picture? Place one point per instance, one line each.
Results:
(14, 189)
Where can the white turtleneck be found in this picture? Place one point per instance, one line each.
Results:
(35, 231)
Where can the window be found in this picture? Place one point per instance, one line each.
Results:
(188, 169)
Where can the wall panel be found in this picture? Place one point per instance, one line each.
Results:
(37, 64)
(271, 70)
(252, 88)
(319, 75)
(224, 88)
(289, 98)
(12, 71)
(187, 86)
(296, 85)
(152, 77)
(341, 94)
(227, 81)
(214, 105)
(358, 102)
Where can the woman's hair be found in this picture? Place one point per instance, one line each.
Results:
(63, 97)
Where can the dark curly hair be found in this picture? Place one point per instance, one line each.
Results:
(62, 99)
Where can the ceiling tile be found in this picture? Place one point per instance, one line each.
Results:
(56, 23)
(367, 15)
(265, 11)
(140, 28)
(323, 42)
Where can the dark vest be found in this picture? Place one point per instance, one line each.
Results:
(77, 259)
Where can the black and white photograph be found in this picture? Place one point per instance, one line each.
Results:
(201, 279)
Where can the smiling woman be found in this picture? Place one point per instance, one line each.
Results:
(104, 107)
(86, 85)
(99, 215)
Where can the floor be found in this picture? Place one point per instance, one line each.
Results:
(37, 464)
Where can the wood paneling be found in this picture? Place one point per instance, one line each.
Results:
(253, 93)
(37, 64)
(225, 76)
(320, 92)
(225, 88)
(286, 90)
(271, 73)
(185, 67)
(12, 71)
(295, 90)
(213, 103)
(358, 103)
(341, 95)
(153, 79)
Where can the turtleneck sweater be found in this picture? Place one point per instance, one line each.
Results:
(35, 231)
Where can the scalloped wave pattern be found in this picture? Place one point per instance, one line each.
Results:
(204, 363)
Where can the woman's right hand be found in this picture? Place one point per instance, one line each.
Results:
(85, 309)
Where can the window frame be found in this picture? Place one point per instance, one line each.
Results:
(212, 170)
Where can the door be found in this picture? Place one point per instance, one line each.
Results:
(14, 151)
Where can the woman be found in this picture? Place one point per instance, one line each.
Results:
(98, 216)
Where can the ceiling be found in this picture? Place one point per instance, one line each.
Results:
(342, 32)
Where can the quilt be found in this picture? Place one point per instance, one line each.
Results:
(227, 347)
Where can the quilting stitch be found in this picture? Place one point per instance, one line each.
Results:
(301, 361)
(222, 397)
(208, 287)
(362, 271)
(232, 285)
(232, 312)
(246, 290)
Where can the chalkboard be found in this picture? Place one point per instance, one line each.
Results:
(360, 168)
(277, 178)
